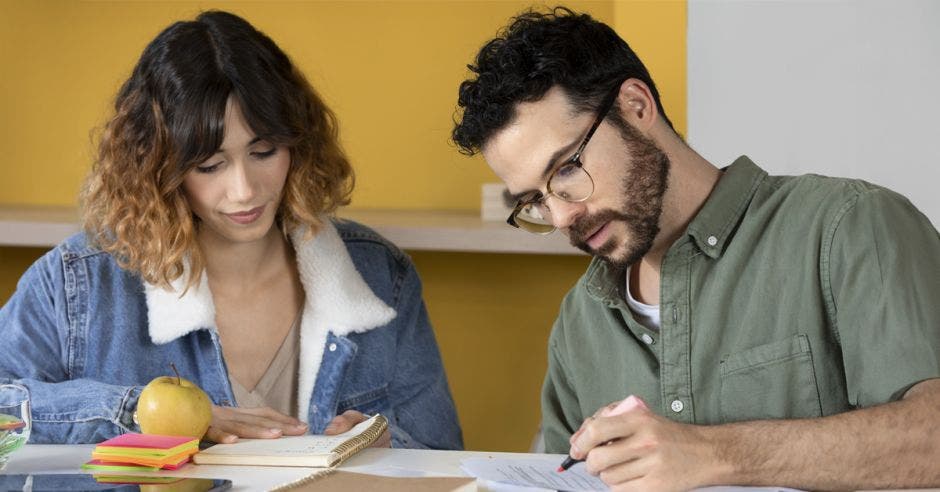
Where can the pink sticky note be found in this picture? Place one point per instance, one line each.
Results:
(146, 441)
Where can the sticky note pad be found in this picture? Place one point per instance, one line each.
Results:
(116, 466)
(148, 445)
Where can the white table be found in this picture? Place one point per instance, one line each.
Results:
(57, 458)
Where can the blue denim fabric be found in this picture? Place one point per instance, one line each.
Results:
(76, 334)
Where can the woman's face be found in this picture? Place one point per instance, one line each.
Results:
(236, 192)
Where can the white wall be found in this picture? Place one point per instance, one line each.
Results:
(842, 88)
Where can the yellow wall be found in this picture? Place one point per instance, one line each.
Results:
(655, 30)
(390, 71)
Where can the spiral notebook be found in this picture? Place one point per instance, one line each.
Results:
(310, 450)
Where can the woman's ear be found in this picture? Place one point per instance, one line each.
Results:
(637, 106)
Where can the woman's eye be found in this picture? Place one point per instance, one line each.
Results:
(265, 154)
(208, 169)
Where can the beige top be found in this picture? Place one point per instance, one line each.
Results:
(277, 388)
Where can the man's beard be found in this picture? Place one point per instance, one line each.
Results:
(643, 189)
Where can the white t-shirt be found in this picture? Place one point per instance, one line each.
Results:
(646, 314)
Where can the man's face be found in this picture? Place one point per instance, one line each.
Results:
(621, 218)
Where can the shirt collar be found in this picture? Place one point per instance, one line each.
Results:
(332, 285)
(713, 227)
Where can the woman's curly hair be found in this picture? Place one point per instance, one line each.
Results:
(169, 117)
(536, 52)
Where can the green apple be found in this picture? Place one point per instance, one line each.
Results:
(173, 406)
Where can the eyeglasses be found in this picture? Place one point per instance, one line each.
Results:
(569, 182)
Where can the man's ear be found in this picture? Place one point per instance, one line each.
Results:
(637, 106)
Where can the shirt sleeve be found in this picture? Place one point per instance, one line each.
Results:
(884, 275)
(425, 415)
(561, 415)
(38, 345)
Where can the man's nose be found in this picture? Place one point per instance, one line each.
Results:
(564, 213)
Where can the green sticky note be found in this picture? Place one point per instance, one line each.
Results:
(116, 467)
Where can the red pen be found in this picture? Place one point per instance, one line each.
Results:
(568, 463)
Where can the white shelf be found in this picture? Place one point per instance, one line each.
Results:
(38, 226)
(424, 230)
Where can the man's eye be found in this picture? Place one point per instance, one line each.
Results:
(536, 210)
(567, 170)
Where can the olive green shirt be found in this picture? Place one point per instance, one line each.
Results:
(787, 297)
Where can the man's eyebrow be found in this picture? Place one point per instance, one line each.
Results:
(552, 161)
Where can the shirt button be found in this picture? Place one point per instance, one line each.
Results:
(332, 347)
(676, 406)
(647, 339)
(315, 409)
(712, 240)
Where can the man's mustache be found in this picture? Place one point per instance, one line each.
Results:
(581, 230)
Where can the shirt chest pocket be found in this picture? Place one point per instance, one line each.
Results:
(772, 381)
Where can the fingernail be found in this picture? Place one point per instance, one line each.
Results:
(300, 426)
(276, 432)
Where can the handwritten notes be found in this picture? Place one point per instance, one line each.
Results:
(540, 473)
(534, 472)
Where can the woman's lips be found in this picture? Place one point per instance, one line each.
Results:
(246, 217)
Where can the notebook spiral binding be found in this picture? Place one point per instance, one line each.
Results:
(343, 451)
(363, 440)
(300, 482)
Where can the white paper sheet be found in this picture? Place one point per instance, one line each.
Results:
(541, 473)
(534, 472)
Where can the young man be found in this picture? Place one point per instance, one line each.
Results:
(780, 330)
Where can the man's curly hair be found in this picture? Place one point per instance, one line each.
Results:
(169, 116)
(536, 52)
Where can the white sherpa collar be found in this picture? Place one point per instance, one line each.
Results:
(338, 300)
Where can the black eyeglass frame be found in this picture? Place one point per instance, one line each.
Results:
(602, 110)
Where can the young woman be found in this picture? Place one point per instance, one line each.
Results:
(208, 244)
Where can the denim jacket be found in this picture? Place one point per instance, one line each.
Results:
(84, 336)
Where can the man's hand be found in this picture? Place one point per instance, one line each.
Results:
(230, 423)
(348, 420)
(639, 450)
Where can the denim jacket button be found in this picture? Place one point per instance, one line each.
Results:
(332, 347)
(315, 409)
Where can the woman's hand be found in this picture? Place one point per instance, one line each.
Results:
(348, 420)
(230, 423)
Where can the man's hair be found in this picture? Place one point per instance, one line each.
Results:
(169, 117)
(536, 52)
